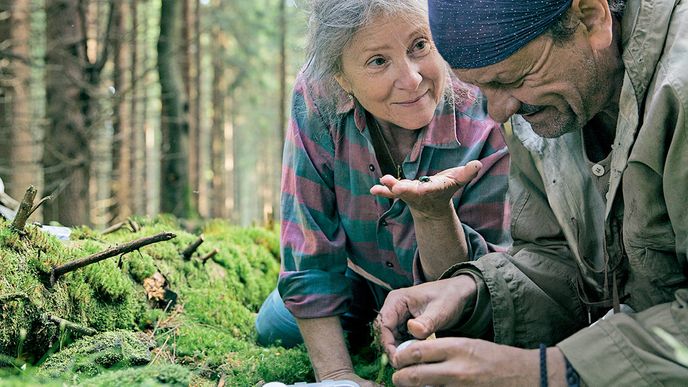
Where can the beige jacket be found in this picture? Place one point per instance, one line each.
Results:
(570, 245)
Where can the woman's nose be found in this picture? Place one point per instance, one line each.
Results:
(409, 77)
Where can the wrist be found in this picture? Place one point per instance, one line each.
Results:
(345, 373)
(437, 213)
(555, 368)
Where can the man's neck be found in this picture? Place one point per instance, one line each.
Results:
(599, 135)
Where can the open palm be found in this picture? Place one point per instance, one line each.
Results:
(431, 196)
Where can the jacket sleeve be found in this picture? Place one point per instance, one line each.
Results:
(312, 282)
(530, 291)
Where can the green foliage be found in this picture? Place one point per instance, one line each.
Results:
(209, 334)
(164, 375)
(88, 356)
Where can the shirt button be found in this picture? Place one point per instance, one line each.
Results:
(371, 167)
(597, 170)
(389, 264)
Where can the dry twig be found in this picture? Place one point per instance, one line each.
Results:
(60, 270)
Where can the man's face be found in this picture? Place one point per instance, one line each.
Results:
(557, 88)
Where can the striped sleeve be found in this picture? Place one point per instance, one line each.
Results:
(312, 282)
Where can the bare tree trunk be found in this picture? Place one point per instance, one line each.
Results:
(23, 151)
(219, 208)
(67, 141)
(137, 181)
(232, 141)
(121, 145)
(201, 149)
(188, 67)
(150, 124)
(175, 192)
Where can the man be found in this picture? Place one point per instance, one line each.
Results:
(594, 99)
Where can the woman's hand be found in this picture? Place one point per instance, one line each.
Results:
(354, 378)
(428, 196)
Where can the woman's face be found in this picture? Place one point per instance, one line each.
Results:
(393, 69)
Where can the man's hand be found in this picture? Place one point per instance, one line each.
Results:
(471, 362)
(429, 196)
(422, 310)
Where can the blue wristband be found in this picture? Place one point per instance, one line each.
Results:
(572, 377)
(543, 365)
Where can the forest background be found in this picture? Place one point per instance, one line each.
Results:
(121, 107)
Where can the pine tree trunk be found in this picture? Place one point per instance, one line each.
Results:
(138, 177)
(121, 144)
(175, 190)
(23, 149)
(67, 139)
(219, 191)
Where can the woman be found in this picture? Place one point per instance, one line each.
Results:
(376, 99)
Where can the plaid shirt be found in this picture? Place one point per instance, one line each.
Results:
(331, 221)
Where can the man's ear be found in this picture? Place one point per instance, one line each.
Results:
(597, 18)
(343, 83)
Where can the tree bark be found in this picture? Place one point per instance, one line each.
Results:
(121, 144)
(24, 150)
(175, 190)
(188, 68)
(137, 133)
(219, 208)
(67, 154)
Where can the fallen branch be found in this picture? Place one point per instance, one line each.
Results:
(133, 225)
(73, 326)
(209, 255)
(25, 209)
(60, 270)
(189, 250)
(115, 227)
(40, 203)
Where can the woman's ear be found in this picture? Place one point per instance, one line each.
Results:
(597, 18)
(344, 83)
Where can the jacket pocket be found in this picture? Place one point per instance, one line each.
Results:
(661, 269)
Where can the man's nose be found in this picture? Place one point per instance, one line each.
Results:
(500, 104)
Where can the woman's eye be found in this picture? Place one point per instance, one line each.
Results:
(421, 45)
(377, 62)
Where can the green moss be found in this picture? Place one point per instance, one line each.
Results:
(139, 266)
(208, 334)
(216, 307)
(163, 375)
(91, 354)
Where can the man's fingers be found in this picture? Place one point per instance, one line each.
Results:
(431, 351)
(419, 327)
(432, 374)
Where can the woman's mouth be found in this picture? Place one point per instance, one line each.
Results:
(414, 100)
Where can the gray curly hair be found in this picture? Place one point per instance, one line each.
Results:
(332, 25)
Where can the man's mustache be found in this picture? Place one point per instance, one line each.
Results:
(526, 109)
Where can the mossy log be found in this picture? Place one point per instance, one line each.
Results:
(209, 333)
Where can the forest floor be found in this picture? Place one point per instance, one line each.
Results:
(174, 312)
